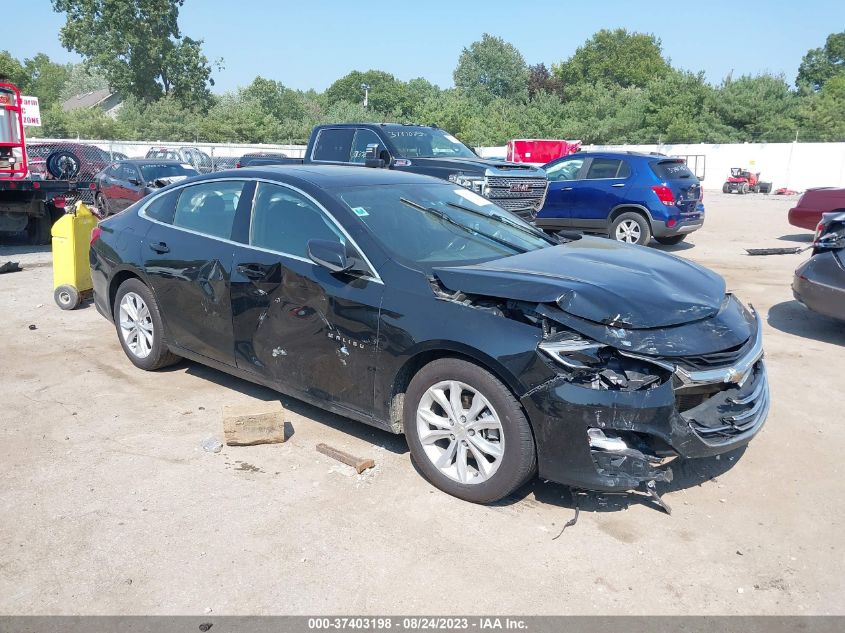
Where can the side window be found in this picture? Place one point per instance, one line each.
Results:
(284, 221)
(126, 172)
(624, 170)
(359, 145)
(162, 207)
(604, 168)
(209, 208)
(113, 171)
(565, 169)
(334, 145)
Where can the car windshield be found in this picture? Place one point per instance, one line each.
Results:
(425, 142)
(154, 171)
(428, 225)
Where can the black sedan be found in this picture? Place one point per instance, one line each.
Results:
(126, 181)
(417, 306)
(819, 282)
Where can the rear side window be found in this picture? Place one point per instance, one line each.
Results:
(671, 170)
(334, 145)
(608, 168)
(162, 207)
(209, 208)
(284, 221)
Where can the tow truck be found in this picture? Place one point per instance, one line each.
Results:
(31, 202)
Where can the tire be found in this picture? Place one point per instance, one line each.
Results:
(726, 188)
(670, 241)
(38, 229)
(765, 187)
(67, 297)
(743, 188)
(63, 165)
(505, 429)
(150, 352)
(102, 205)
(631, 228)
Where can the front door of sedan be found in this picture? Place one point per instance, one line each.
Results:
(188, 262)
(295, 322)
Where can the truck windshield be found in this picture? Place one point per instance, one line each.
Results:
(434, 224)
(425, 142)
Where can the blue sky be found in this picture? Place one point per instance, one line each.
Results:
(309, 44)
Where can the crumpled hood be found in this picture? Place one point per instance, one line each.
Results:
(599, 280)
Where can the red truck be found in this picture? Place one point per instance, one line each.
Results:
(813, 203)
(31, 201)
(540, 151)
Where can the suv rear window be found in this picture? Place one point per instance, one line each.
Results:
(671, 170)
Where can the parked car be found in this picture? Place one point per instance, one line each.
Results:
(422, 149)
(417, 306)
(255, 159)
(819, 282)
(807, 213)
(629, 196)
(82, 161)
(127, 181)
(198, 159)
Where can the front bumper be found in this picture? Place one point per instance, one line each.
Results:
(693, 414)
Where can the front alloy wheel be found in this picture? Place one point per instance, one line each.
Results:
(467, 432)
(460, 432)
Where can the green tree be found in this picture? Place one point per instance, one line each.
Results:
(491, 68)
(82, 79)
(11, 70)
(137, 44)
(823, 113)
(760, 108)
(274, 99)
(45, 79)
(822, 64)
(386, 93)
(617, 57)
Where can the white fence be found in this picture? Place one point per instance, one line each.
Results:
(796, 166)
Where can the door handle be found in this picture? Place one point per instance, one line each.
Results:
(618, 184)
(160, 248)
(251, 271)
(567, 189)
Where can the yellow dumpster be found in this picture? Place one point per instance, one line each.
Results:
(71, 271)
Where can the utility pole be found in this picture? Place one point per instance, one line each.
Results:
(366, 89)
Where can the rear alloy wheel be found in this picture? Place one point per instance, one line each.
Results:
(102, 204)
(139, 326)
(466, 431)
(631, 228)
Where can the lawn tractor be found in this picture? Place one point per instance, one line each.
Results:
(742, 181)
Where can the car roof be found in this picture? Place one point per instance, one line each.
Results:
(381, 125)
(625, 154)
(326, 176)
(150, 161)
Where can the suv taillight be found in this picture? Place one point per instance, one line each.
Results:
(818, 234)
(95, 234)
(664, 194)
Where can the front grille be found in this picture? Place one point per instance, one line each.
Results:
(719, 413)
(724, 358)
(523, 203)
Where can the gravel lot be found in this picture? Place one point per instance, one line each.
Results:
(109, 505)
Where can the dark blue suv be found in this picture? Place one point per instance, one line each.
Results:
(628, 196)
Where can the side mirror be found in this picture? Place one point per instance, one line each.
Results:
(374, 156)
(328, 254)
(135, 181)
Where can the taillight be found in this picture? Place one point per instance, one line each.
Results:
(671, 222)
(95, 235)
(238, 165)
(818, 234)
(59, 202)
(664, 194)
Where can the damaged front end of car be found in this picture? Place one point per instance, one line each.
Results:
(633, 368)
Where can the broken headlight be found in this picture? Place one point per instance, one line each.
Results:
(600, 366)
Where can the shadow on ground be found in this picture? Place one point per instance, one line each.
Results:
(793, 318)
(797, 237)
(673, 248)
(391, 442)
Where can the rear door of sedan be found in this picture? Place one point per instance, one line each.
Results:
(296, 323)
(188, 254)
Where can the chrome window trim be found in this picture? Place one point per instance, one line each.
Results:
(374, 277)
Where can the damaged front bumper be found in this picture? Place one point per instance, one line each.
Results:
(613, 439)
